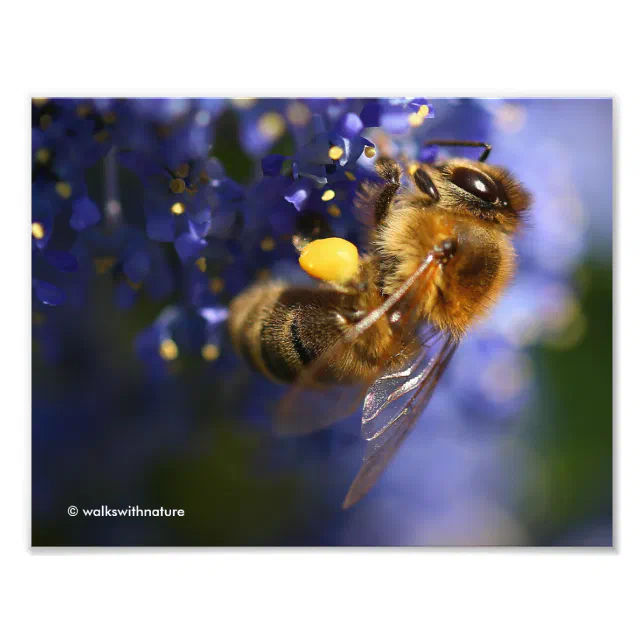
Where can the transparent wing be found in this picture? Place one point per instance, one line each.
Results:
(387, 396)
(306, 407)
(399, 421)
(303, 410)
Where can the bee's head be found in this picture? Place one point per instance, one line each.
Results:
(473, 188)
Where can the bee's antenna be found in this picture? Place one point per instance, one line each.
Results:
(464, 144)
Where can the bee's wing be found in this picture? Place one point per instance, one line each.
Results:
(386, 397)
(308, 411)
(306, 407)
(393, 426)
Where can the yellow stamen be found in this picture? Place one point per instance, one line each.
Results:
(183, 170)
(37, 230)
(63, 189)
(39, 102)
(267, 244)
(335, 152)
(244, 103)
(83, 110)
(102, 136)
(109, 118)
(423, 111)
(177, 208)
(415, 120)
(177, 186)
(103, 264)
(369, 152)
(333, 210)
(201, 263)
(327, 195)
(168, 349)
(45, 121)
(332, 260)
(210, 352)
(350, 176)
(43, 155)
(216, 285)
(412, 168)
(271, 125)
(298, 113)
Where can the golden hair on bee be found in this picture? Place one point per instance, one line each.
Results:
(466, 204)
(384, 325)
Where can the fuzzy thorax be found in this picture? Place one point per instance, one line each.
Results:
(403, 242)
(454, 295)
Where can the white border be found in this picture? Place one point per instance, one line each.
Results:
(481, 49)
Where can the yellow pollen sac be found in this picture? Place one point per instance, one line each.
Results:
(369, 152)
(332, 260)
(423, 111)
(327, 195)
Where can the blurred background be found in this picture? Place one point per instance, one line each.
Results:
(149, 215)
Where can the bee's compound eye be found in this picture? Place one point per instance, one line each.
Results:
(475, 183)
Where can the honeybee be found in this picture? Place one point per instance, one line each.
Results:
(439, 255)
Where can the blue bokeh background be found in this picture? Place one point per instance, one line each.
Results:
(149, 215)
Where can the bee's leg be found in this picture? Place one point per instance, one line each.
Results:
(445, 250)
(391, 172)
(388, 170)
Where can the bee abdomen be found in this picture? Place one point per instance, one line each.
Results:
(305, 352)
(279, 330)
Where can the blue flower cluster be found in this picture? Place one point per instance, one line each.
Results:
(222, 233)
(188, 237)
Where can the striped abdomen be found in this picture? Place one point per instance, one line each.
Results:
(280, 329)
